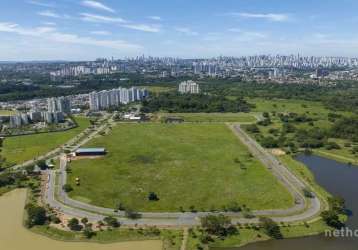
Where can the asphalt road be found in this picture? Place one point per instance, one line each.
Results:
(302, 210)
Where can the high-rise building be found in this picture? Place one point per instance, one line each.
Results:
(15, 121)
(59, 104)
(189, 87)
(112, 98)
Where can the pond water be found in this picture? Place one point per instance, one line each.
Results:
(338, 179)
(13, 236)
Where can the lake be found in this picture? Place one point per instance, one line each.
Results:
(337, 178)
(13, 236)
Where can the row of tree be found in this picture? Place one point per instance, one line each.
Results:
(186, 103)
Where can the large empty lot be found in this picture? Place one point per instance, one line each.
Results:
(200, 165)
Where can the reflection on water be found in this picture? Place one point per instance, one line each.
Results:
(338, 179)
(13, 236)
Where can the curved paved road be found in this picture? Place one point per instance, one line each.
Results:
(74, 142)
(302, 210)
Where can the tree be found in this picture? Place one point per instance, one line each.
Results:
(337, 204)
(233, 206)
(331, 218)
(271, 228)
(253, 128)
(153, 196)
(42, 164)
(36, 215)
(84, 221)
(219, 225)
(88, 232)
(67, 188)
(111, 221)
(74, 224)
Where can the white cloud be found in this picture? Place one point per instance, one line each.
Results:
(120, 21)
(155, 18)
(52, 14)
(42, 4)
(49, 23)
(49, 13)
(97, 5)
(101, 32)
(248, 35)
(186, 31)
(101, 19)
(50, 33)
(275, 17)
(142, 27)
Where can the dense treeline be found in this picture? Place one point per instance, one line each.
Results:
(45, 88)
(346, 128)
(184, 103)
(342, 96)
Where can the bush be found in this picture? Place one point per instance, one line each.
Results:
(42, 164)
(74, 224)
(331, 218)
(36, 215)
(332, 145)
(219, 225)
(153, 196)
(67, 188)
(271, 228)
(111, 221)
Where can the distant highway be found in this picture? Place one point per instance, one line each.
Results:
(302, 210)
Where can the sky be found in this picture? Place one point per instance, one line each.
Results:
(90, 29)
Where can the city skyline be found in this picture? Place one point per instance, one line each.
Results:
(88, 29)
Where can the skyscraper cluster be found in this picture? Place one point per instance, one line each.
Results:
(59, 104)
(111, 98)
(190, 87)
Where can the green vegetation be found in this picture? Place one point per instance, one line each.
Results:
(248, 233)
(6, 112)
(210, 117)
(23, 148)
(296, 125)
(171, 238)
(333, 217)
(158, 89)
(190, 167)
(187, 103)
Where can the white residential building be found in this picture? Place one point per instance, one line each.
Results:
(112, 98)
(59, 104)
(190, 87)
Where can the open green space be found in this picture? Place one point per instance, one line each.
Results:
(293, 125)
(211, 117)
(158, 89)
(189, 166)
(20, 149)
(6, 112)
(283, 105)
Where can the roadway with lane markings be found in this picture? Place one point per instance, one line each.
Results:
(304, 209)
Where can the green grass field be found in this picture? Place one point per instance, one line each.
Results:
(281, 105)
(211, 117)
(317, 112)
(23, 148)
(185, 165)
(6, 112)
